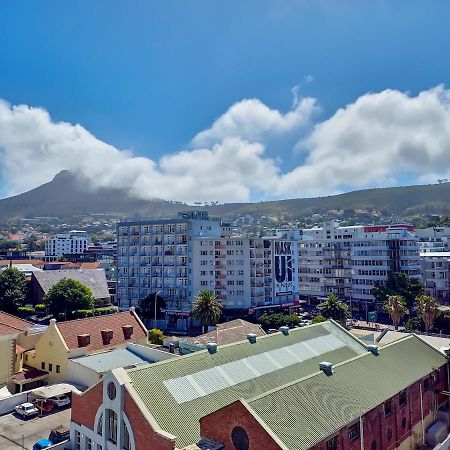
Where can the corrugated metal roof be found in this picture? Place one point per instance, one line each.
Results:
(105, 361)
(305, 412)
(182, 419)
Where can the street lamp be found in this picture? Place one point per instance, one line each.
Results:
(156, 300)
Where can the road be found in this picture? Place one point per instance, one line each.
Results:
(19, 434)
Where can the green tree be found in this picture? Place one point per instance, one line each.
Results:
(68, 295)
(155, 336)
(277, 320)
(318, 319)
(333, 308)
(147, 306)
(398, 284)
(427, 309)
(395, 306)
(206, 309)
(13, 289)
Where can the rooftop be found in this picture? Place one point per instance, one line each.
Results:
(12, 325)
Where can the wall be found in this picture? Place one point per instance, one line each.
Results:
(85, 406)
(220, 424)
(81, 375)
(6, 358)
(149, 353)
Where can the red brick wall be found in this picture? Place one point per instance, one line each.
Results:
(85, 406)
(219, 425)
(144, 435)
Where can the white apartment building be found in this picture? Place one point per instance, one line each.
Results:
(434, 239)
(156, 257)
(436, 274)
(347, 261)
(248, 273)
(66, 244)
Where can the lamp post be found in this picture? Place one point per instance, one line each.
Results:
(156, 300)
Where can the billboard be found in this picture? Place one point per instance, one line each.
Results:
(285, 267)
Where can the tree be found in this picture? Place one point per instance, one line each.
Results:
(206, 309)
(335, 309)
(427, 308)
(13, 289)
(395, 306)
(147, 306)
(155, 336)
(398, 283)
(68, 295)
(318, 319)
(277, 320)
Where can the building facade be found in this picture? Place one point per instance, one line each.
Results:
(348, 261)
(73, 242)
(434, 239)
(436, 274)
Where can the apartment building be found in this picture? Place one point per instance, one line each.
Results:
(436, 274)
(434, 239)
(247, 273)
(348, 261)
(155, 256)
(66, 244)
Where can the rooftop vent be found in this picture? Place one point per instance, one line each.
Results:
(212, 347)
(284, 330)
(251, 338)
(374, 349)
(127, 331)
(326, 367)
(107, 336)
(83, 340)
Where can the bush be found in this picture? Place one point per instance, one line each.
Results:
(83, 313)
(155, 336)
(415, 324)
(40, 308)
(277, 320)
(319, 318)
(25, 311)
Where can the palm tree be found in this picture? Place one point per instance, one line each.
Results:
(427, 308)
(335, 309)
(206, 309)
(395, 306)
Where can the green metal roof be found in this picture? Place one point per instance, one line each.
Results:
(305, 412)
(180, 416)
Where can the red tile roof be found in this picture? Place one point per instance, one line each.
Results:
(93, 326)
(90, 265)
(29, 373)
(34, 262)
(11, 324)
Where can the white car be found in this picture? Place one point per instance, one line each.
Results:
(26, 410)
(60, 400)
(305, 322)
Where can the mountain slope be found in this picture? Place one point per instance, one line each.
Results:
(66, 196)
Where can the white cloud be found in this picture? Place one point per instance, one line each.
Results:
(377, 140)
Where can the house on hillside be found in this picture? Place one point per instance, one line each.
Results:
(74, 338)
(95, 279)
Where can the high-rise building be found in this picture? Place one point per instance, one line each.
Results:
(66, 244)
(348, 261)
(434, 239)
(436, 274)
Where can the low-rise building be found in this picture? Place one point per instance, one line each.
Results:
(436, 274)
(66, 243)
(316, 387)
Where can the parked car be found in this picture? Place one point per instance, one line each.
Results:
(26, 410)
(59, 434)
(43, 443)
(304, 322)
(60, 400)
(44, 406)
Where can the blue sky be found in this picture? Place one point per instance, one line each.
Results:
(149, 76)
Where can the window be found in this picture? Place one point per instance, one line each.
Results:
(77, 440)
(50, 367)
(112, 425)
(58, 368)
(426, 384)
(402, 398)
(99, 447)
(332, 444)
(403, 423)
(88, 444)
(126, 437)
(353, 431)
(43, 365)
(100, 425)
(389, 434)
(373, 445)
(387, 408)
(111, 390)
(240, 439)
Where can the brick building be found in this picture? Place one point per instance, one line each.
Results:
(316, 387)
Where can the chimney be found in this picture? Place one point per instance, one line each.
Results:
(83, 340)
(374, 349)
(326, 367)
(127, 331)
(251, 338)
(107, 336)
(212, 347)
(284, 330)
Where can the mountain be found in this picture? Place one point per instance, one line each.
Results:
(66, 196)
